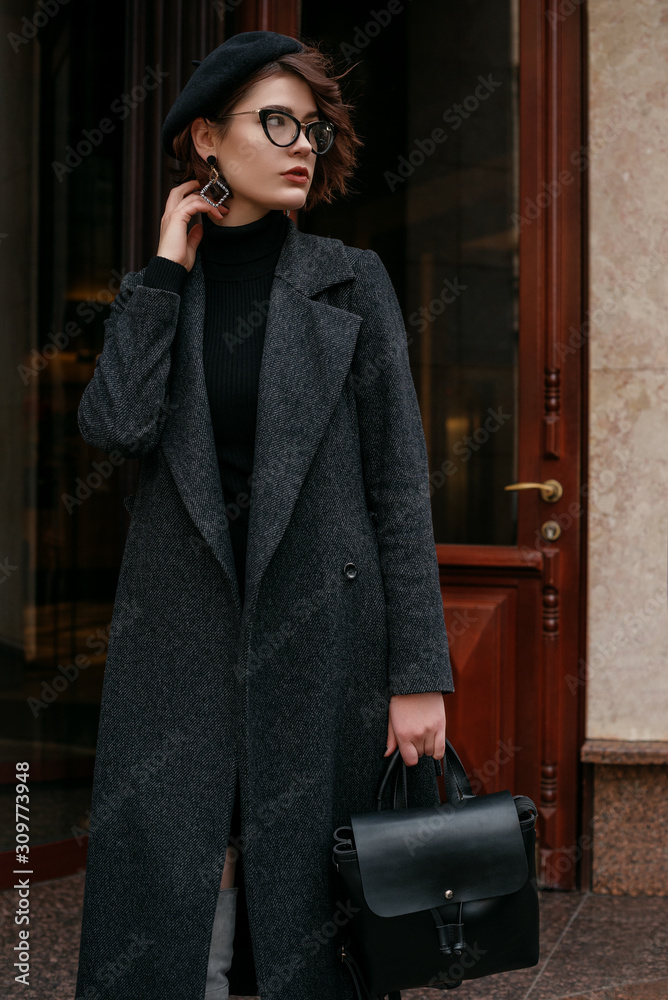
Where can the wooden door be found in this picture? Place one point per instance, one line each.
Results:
(516, 612)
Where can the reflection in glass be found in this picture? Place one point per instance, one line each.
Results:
(436, 92)
(63, 522)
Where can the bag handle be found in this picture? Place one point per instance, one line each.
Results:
(457, 784)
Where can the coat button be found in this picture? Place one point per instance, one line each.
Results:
(350, 569)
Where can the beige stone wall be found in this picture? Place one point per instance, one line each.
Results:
(627, 652)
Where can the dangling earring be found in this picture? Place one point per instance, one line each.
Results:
(286, 211)
(213, 174)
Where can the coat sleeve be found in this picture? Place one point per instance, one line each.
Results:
(396, 474)
(125, 404)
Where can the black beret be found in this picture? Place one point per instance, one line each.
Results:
(220, 74)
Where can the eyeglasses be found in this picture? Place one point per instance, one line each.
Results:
(283, 129)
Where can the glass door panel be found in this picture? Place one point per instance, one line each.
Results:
(63, 523)
(436, 96)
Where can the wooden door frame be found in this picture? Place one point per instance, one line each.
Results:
(554, 306)
(554, 355)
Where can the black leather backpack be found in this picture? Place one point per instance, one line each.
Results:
(438, 894)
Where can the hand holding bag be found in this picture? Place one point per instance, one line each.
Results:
(437, 894)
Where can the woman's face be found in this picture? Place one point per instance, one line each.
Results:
(255, 170)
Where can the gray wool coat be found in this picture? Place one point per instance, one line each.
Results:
(342, 609)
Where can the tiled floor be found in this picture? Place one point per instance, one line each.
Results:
(593, 947)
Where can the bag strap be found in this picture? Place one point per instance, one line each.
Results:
(400, 797)
(457, 784)
(361, 992)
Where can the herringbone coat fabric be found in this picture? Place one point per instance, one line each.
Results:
(342, 610)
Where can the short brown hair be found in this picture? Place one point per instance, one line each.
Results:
(336, 166)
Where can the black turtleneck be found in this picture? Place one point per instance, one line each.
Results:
(238, 263)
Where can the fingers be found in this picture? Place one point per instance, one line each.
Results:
(176, 242)
(194, 203)
(391, 740)
(434, 737)
(439, 745)
(434, 742)
(439, 740)
(180, 192)
(195, 235)
(187, 196)
(416, 724)
(409, 753)
(413, 745)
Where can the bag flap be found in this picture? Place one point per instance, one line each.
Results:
(409, 858)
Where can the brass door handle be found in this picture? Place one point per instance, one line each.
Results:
(551, 490)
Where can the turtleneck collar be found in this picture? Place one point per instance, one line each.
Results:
(234, 245)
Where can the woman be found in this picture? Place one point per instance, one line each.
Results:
(265, 655)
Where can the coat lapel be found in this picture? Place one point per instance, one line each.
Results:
(308, 349)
